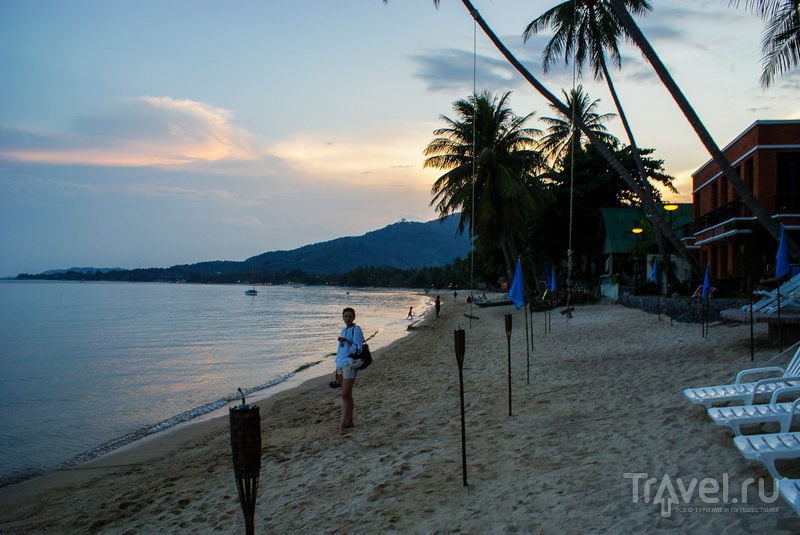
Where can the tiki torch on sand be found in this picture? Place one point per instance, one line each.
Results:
(460, 346)
(245, 423)
(508, 342)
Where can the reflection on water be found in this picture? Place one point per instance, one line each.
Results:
(83, 364)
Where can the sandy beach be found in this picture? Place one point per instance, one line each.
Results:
(604, 400)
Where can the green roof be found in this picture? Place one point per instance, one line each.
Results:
(619, 222)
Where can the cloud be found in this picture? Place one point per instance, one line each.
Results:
(144, 131)
(245, 222)
(351, 158)
(451, 69)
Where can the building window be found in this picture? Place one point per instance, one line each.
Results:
(723, 190)
(714, 198)
(747, 172)
(788, 194)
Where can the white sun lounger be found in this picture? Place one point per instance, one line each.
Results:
(746, 392)
(736, 416)
(769, 448)
(790, 491)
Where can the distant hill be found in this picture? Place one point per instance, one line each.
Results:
(80, 270)
(403, 245)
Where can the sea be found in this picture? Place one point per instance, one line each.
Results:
(88, 367)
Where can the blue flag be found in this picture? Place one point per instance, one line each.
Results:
(553, 280)
(782, 258)
(547, 277)
(654, 271)
(706, 285)
(517, 291)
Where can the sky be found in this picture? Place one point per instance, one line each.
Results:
(149, 133)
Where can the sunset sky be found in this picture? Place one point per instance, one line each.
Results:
(151, 133)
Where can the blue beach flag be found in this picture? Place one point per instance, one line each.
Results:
(706, 285)
(654, 271)
(553, 280)
(782, 258)
(547, 276)
(517, 291)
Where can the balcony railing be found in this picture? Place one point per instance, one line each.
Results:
(731, 210)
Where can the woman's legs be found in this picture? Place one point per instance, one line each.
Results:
(347, 405)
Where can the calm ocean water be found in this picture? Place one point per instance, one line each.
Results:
(87, 367)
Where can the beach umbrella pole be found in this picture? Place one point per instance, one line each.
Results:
(508, 343)
(245, 428)
(460, 346)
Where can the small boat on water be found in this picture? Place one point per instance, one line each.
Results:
(251, 292)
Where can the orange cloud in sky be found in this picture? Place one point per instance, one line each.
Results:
(146, 131)
(392, 154)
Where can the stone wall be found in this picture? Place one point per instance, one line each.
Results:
(681, 309)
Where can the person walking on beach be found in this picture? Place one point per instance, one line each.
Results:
(410, 313)
(351, 341)
(438, 305)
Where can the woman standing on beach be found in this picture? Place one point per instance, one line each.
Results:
(351, 340)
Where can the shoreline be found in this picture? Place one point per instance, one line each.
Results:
(23, 464)
(604, 400)
(117, 456)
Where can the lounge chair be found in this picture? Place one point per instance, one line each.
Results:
(790, 490)
(746, 392)
(736, 416)
(769, 448)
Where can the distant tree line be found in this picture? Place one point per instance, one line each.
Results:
(455, 274)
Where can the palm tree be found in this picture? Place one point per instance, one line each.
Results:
(780, 43)
(744, 192)
(587, 30)
(604, 151)
(649, 204)
(492, 172)
(561, 136)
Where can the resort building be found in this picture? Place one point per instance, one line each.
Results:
(727, 235)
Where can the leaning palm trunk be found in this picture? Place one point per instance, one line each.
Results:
(647, 188)
(716, 154)
(599, 145)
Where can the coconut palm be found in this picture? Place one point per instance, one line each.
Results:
(780, 42)
(587, 30)
(744, 192)
(601, 148)
(489, 142)
(561, 136)
(604, 151)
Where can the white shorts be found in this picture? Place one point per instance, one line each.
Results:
(349, 372)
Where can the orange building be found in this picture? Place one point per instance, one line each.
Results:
(730, 240)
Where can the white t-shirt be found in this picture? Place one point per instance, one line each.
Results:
(346, 351)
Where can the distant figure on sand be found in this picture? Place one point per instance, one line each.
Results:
(351, 340)
(410, 313)
(438, 305)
